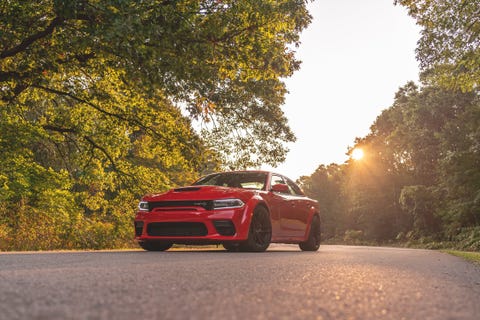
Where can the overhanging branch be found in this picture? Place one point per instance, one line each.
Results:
(96, 107)
(28, 41)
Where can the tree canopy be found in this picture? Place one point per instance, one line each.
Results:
(99, 100)
(449, 47)
(419, 181)
(222, 61)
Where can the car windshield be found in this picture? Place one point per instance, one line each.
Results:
(244, 180)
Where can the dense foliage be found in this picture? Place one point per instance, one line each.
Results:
(97, 99)
(419, 181)
(449, 47)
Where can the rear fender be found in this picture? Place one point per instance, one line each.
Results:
(313, 212)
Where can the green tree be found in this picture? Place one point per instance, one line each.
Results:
(222, 61)
(371, 191)
(419, 178)
(460, 165)
(426, 144)
(325, 185)
(419, 202)
(97, 100)
(449, 47)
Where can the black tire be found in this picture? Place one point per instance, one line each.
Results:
(314, 236)
(231, 247)
(155, 245)
(259, 233)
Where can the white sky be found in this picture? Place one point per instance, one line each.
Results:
(355, 55)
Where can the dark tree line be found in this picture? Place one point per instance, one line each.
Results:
(419, 180)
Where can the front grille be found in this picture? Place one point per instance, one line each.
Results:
(138, 228)
(224, 227)
(177, 229)
(205, 204)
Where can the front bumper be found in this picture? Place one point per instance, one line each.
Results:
(193, 226)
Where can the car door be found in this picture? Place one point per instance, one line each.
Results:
(299, 210)
(279, 206)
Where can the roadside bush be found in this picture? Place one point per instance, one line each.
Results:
(33, 230)
(4, 237)
(353, 237)
(468, 239)
(61, 225)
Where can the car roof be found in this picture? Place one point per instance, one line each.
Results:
(246, 171)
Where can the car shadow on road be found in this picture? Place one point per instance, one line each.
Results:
(274, 248)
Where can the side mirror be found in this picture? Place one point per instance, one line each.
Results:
(281, 188)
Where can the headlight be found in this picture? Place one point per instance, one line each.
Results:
(143, 206)
(227, 203)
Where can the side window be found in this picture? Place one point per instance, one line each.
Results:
(276, 180)
(294, 189)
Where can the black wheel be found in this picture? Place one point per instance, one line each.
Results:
(260, 232)
(232, 247)
(313, 240)
(155, 245)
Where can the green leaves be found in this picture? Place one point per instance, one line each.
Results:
(97, 99)
(449, 47)
(228, 55)
(419, 177)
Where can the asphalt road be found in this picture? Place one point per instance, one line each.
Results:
(337, 282)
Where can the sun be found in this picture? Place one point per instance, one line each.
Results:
(357, 154)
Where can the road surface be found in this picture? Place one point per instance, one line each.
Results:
(337, 282)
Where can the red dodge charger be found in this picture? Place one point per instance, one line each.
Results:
(242, 210)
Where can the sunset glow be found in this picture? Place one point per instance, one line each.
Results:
(357, 154)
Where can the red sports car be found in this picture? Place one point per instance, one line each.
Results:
(242, 210)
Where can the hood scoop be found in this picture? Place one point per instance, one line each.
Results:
(186, 189)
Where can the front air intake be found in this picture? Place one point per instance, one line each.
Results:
(224, 227)
(138, 228)
(177, 229)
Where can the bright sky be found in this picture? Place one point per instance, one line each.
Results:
(355, 55)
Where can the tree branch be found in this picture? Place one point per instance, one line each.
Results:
(31, 39)
(58, 129)
(67, 94)
(105, 152)
(7, 75)
(19, 88)
(111, 114)
(110, 159)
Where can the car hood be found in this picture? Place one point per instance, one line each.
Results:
(201, 193)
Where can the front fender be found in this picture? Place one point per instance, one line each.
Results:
(243, 228)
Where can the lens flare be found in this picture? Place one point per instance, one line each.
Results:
(357, 154)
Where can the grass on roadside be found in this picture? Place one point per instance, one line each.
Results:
(470, 256)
